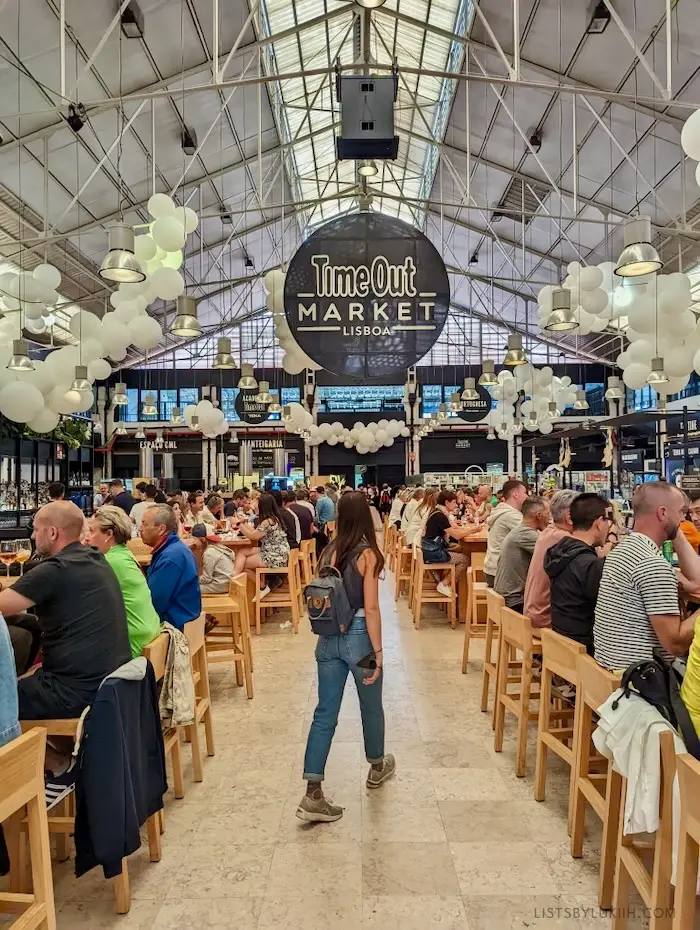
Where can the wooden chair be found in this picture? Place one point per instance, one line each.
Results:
(654, 888)
(554, 731)
(330, 529)
(476, 602)
(390, 532)
(494, 604)
(287, 596)
(515, 637)
(403, 561)
(157, 652)
(22, 780)
(231, 638)
(194, 631)
(601, 790)
(688, 842)
(426, 592)
(307, 559)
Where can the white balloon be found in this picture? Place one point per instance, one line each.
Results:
(405, 432)
(292, 364)
(361, 450)
(348, 443)
(150, 268)
(389, 441)
(99, 369)
(641, 351)
(188, 412)
(673, 386)
(544, 298)
(188, 218)
(144, 248)
(635, 375)
(35, 326)
(547, 427)
(168, 234)
(117, 353)
(574, 269)
(161, 206)
(168, 283)
(381, 435)
(690, 136)
(41, 376)
(590, 278)
(126, 311)
(623, 359)
(174, 260)
(679, 362)
(332, 440)
(45, 421)
(297, 412)
(325, 430)
(366, 438)
(274, 281)
(115, 334)
(48, 275)
(84, 324)
(599, 324)
(596, 300)
(145, 332)
(33, 311)
(680, 325)
(20, 401)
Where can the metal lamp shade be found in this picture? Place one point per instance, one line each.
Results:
(119, 398)
(615, 390)
(176, 416)
(264, 396)
(580, 403)
(120, 264)
(638, 256)
(274, 407)
(149, 408)
(470, 392)
(515, 355)
(186, 322)
(224, 359)
(657, 375)
(20, 360)
(563, 316)
(120, 429)
(247, 381)
(80, 382)
(488, 374)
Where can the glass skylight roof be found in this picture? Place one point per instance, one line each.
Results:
(306, 109)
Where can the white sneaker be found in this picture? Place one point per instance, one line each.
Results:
(261, 594)
(444, 589)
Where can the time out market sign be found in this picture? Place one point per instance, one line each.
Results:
(366, 296)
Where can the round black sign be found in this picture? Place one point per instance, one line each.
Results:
(476, 410)
(366, 296)
(248, 409)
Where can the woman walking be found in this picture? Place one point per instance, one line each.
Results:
(356, 555)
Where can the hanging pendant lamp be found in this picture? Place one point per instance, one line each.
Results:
(638, 256)
(562, 318)
(554, 413)
(119, 397)
(140, 434)
(80, 382)
(488, 374)
(149, 408)
(470, 392)
(581, 403)
(274, 407)
(247, 381)
(120, 429)
(455, 402)
(264, 396)
(515, 355)
(491, 434)
(20, 360)
(442, 413)
(186, 322)
(286, 413)
(657, 375)
(615, 390)
(224, 359)
(120, 264)
(194, 422)
(176, 416)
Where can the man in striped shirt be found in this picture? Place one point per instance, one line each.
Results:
(637, 609)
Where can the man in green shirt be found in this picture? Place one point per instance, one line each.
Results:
(110, 530)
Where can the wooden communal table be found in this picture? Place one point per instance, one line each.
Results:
(6, 582)
(474, 543)
(143, 557)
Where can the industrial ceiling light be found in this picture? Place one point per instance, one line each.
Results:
(275, 407)
(194, 422)
(470, 392)
(186, 322)
(224, 359)
(120, 429)
(119, 398)
(657, 375)
(491, 434)
(96, 424)
(515, 355)
(287, 413)
(614, 391)
(367, 168)
(553, 411)
(189, 141)
(247, 380)
(120, 264)
(263, 396)
(370, 4)
(132, 21)
(488, 373)
(455, 402)
(140, 434)
(503, 428)
(20, 360)
(638, 256)
(433, 423)
(533, 418)
(149, 408)
(517, 427)
(233, 437)
(600, 20)
(442, 413)
(176, 416)
(563, 316)
(581, 403)
(80, 382)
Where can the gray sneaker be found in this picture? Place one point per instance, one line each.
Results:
(376, 778)
(318, 810)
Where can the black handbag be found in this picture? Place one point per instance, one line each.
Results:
(435, 550)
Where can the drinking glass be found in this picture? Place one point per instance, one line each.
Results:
(7, 553)
(23, 552)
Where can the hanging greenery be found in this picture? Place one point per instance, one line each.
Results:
(69, 431)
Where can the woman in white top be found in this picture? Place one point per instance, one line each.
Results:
(397, 506)
(414, 530)
(410, 508)
(217, 563)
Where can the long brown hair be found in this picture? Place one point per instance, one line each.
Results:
(268, 509)
(428, 503)
(354, 530)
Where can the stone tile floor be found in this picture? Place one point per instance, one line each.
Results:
(454, 842)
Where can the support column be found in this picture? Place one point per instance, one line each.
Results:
(168, 466)
(415, 443)
(146, 468)
(245, 458)
(511, 456)
(280, 462)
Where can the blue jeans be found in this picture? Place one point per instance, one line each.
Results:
(335, 657)
(9, 725)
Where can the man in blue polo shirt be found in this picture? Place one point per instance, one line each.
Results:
(172, 575)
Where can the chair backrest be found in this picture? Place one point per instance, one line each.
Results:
(138, 546)
(477, 562)
(516, 628)
(560, 654)
(596, 683)
(688, 770)
(22, 771)
(494, 605)
(306, 545)
(194, 631)
(157, 652)
(238, 592)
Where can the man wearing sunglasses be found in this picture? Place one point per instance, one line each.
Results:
(574, 569)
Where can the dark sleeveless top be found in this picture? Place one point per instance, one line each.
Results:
(353, 580)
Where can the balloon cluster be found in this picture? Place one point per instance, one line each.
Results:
(28, 297)
(363, 437)
(690, 140)
(211, 419)
(541, 387)
(594, 297)
(294, 360)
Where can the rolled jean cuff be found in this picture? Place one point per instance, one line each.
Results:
(307, 777)
(375, 761)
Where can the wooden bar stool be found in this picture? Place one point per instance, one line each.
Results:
(288, 595)
(22, 780)
(476, 602)
(404, 567)
(601, 790)
(654, 888)
(307, 560)
(555, 725)
(231, 639)
(194, 631)
(515, 637)
(426, 592)
(157, 652)
(494, 604)
(688, 842)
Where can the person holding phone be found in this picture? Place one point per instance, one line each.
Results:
(356, 555)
